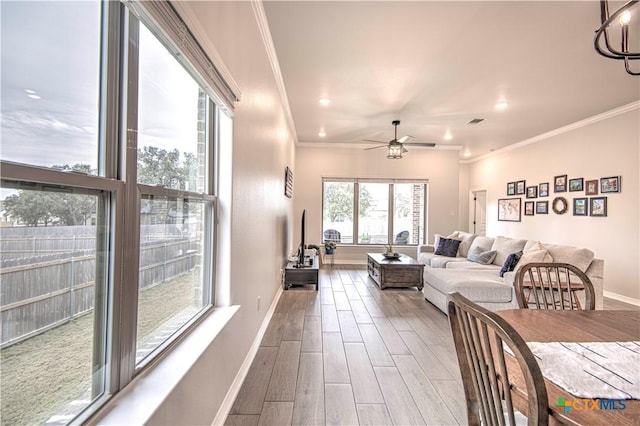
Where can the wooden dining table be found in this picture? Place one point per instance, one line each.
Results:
(579, 326)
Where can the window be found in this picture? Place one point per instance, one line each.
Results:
(391, 211)
(102, 238)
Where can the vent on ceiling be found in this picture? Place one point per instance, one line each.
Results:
(476, 121)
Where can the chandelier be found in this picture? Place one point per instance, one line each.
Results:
(604, 34)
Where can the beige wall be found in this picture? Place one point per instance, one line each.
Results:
(260, 226)
(439, 167)
(608, 147)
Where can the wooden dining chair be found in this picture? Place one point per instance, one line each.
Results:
(554, 286)
(481, 338)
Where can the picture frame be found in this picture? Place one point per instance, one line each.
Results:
(609, 184)
(543, 189)
(591, 187)
(528, 208)
(509, 209)
(598, 206)
(532, 192)
(511, 188)
(288, 183)
(520, 187)
(560, 183)
(542, 207)
(580, 207)
(576, 185)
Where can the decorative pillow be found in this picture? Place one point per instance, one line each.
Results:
(436, 238)
(510, 263)
(447, 247)
(535, 254)
(481, 257)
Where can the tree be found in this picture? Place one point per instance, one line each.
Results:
(161, 167)
(32, 207)
(338, 199)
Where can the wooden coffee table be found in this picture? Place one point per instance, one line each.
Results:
(402, 272)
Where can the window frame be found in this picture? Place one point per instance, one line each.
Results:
(116, 179)
(391, 205)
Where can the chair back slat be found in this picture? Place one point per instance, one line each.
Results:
(554, 286)
(480, 337)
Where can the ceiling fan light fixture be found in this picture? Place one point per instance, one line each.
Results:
(395, 151)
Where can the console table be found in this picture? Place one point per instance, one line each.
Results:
(402, 272)
(302, 275)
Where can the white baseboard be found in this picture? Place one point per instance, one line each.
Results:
(227, 403)
(622, 298)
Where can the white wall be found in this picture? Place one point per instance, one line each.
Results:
(260, 228)
(438, 166)
(608, 147)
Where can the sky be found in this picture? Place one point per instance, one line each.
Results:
(50, 86)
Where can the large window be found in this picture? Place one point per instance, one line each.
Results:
(375, 211)
(107, 195)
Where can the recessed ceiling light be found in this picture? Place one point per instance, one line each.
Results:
(322, 133)
(324, 101)
(467, 154)
(502, 105)
(448, 136)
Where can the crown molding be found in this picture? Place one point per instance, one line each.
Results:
(265, 33)
(568, 128)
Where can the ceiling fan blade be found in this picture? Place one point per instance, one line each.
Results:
(405, 138)
(404, 150)
(371, 140)
(376, 147)
(428, 144)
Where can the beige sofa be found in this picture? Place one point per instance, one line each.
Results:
(482, 283)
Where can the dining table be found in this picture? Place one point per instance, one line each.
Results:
(572, 326)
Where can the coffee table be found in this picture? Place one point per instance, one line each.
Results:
(402, 272)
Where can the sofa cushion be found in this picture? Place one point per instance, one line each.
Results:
(537, 253)
(510, 263)
(578, 257)
(468, 265)
(504, 247)
(479, 286)
(484, 243)
(448, 247)
(466, 239)
(443, 261)
(481, 257)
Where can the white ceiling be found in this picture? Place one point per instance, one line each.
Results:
(435, 65)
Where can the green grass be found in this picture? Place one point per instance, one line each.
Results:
(40, 376)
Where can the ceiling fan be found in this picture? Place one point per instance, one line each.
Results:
(396, 146)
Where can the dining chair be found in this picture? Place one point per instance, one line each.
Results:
(482, 341)
(332, 235)
(553, 286)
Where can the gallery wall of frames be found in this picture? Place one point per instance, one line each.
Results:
(585, 197)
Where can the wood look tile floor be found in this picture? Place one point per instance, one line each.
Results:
(352, 354)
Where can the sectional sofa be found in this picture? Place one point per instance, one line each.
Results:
(474, 270)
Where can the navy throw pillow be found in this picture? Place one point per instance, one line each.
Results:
(447, 247)
(510, 262)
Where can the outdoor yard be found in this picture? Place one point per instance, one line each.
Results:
(31, 371)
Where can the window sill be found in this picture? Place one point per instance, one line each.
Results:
(139, 400)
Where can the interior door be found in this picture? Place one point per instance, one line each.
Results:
(479, 213)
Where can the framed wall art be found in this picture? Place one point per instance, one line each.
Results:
(509, 209)
(591, 187)
(520, 187)
(560, 183)
(576, 185)
(288, 183)
(610, 184)
(528, 208)
(532, 192)
(598, 206)
(543, 189)
(580, 207)
(511, 188)
(542, 207)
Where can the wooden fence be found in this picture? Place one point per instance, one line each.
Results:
(41, 291)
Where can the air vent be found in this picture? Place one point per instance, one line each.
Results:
(476, 121)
